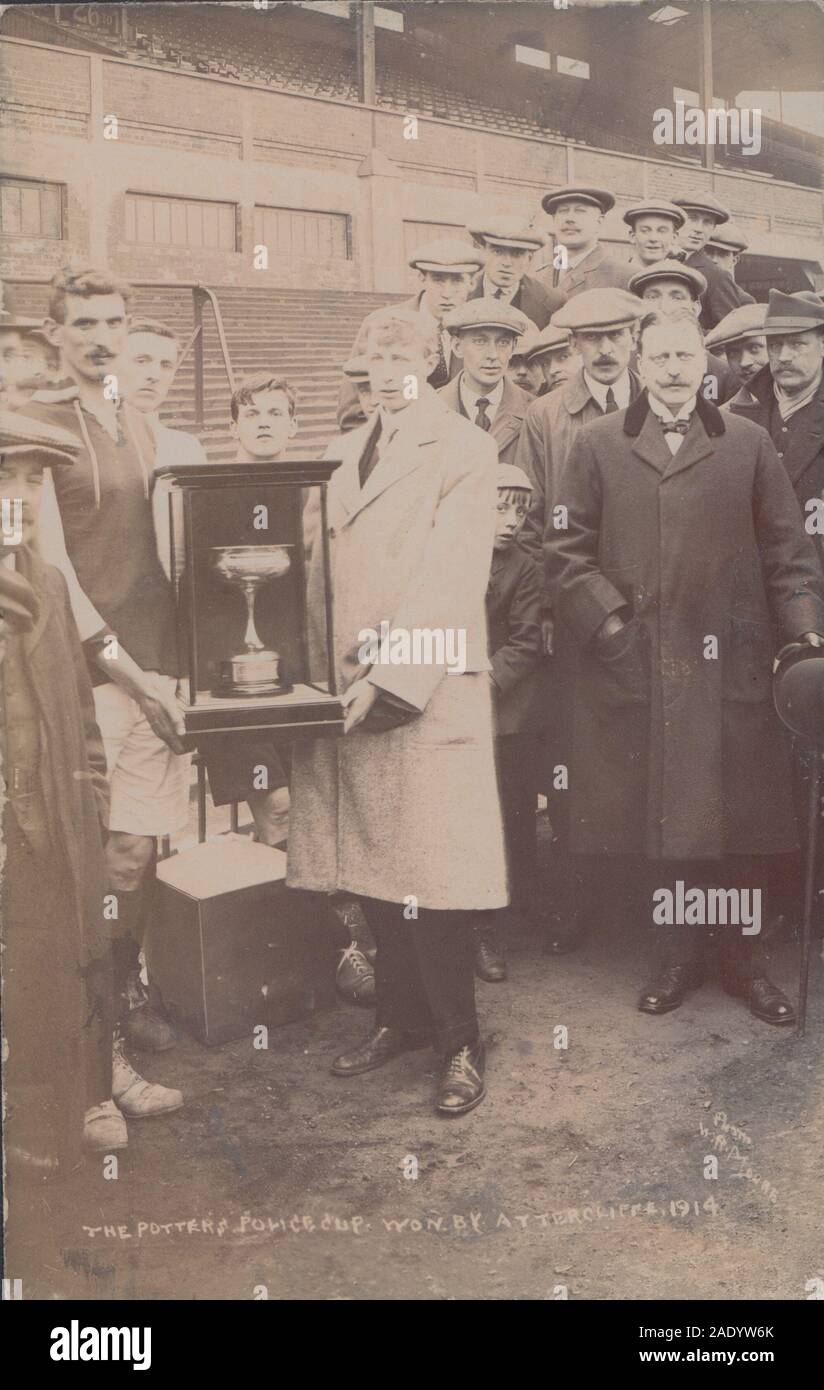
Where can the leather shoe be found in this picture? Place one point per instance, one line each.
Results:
(379, 1046)
(668, 989)
(145, 1028)
(765, 999)
(355, 978)
(489, 963)
(461, 1086)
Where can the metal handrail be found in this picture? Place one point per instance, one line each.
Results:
(200, 293)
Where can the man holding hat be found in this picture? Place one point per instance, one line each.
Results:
(484, 333)
(445, 268)
(682, 567)
(704, 215)
(670, 287)
(509, 248)
(652, 228)
(740, 337)
(577, 212)
(551, 351)
(601, 324)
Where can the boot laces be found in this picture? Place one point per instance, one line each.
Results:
(120, 1060)
(354, 955)
(460, 1064)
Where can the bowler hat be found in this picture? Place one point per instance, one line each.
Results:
(798, 690)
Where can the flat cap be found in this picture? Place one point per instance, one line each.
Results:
(793, 313)
(357, 369)
(656, 207)
(745, 322)
(21, 435)
(525, 344)
(447, 254)
(669, 270)
(703, 202)
(510, 476)
(486, 312)
(729, 237)
(27, 328)
(578, 193)
(550, 339)
(608, 308)
(503, 231)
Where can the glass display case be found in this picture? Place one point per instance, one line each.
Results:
(249, 560)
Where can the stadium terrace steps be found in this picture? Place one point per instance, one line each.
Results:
(304, 335)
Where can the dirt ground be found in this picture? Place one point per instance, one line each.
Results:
(580, 1176)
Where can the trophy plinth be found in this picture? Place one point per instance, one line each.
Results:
(256, 670)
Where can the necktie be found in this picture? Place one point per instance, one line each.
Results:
(611, 403)
(499, 294)
(675, 426)
(371, 456)
(440, 375)
(482, 419)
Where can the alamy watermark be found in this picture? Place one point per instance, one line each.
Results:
(708, 907)
(418, 646)
(690, 125)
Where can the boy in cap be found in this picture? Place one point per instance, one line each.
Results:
(578, 212)
(554, 356)
(513, 612)
(445, 268)
(652, 229)
(670, 287)
(509, 248)
(58, 1004)
(484, 333)
(704, 216)
(741, 338)
(602, 327)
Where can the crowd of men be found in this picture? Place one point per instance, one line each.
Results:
(599, 472)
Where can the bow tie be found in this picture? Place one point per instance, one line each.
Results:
(675, 426)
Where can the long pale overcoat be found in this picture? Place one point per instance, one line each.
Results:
(411, 811)
(677, 752)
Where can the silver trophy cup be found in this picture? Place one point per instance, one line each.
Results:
(256, 670)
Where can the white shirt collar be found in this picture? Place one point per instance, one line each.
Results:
(470, 399)
(620, 390)
(664, 413)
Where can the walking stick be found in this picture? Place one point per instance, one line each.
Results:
(809, 892)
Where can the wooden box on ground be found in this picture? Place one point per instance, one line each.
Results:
(230, 946)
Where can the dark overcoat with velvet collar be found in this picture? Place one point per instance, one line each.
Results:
(676, 748)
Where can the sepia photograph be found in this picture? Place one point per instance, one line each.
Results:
(412, 661)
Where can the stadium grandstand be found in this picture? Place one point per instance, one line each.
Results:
(173, 142)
